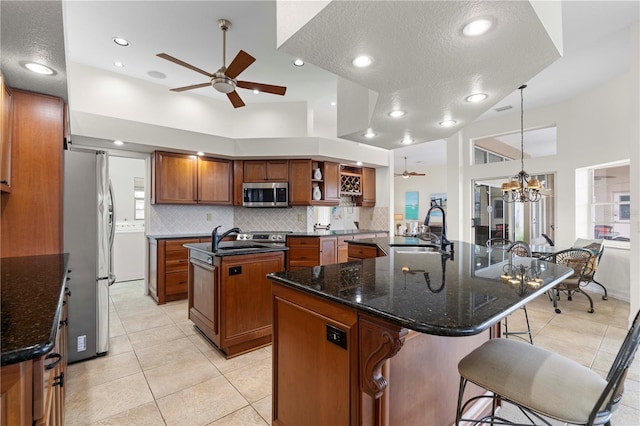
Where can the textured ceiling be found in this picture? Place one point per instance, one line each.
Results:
(422, 63)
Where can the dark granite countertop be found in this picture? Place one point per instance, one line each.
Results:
(385, 243)
(336, 233)
(235, 248)
(421, 289)
(32, 294)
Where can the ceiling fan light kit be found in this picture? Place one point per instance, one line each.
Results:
(224, 80)
(406, 174)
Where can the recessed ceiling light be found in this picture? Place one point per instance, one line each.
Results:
(370, 134)
(362, 61)
(118, 64)
(358, 163)
(397, 113)
(120, 41)
(447, 123)
(476, 97)
(200, 153)
(119, 143)
(256, 91)
(38, 68)
(333, 103)
(407, 140)
(298, 62)
(477, 27)
(156, 74)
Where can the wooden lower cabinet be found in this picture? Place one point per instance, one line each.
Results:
(314, 379)
(169, 268)
(32, 392)
(359, 251)
(334, 365)
(311, 251)
(230, 300)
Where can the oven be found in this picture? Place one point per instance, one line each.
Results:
(276, 238)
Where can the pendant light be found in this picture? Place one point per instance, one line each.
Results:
(521, 187)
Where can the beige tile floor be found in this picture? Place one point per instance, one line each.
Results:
(160, 371)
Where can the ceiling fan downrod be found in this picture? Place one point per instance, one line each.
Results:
(224, 26)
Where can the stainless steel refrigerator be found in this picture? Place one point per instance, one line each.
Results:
(89, 226)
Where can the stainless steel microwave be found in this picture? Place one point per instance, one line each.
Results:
(272, 194)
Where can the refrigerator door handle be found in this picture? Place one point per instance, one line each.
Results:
(112, 278)
(112, 232)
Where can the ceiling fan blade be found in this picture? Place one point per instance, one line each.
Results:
(184, 64)
(235, 99)
(239, 64)
(195, 86)
(267, 88)
(416, 174)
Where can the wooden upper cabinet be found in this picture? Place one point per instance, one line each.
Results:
(300, 182)
(6, 101)
(368, 182)
(174, 179)
(266, 171)
(331, 177)
(238, 178)
(215, 181)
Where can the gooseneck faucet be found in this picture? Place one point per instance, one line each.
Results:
(215, 238)
(444, 242)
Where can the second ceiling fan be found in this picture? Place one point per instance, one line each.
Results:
(224, 80)
(406, 174)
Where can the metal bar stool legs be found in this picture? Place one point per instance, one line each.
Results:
(519, 334)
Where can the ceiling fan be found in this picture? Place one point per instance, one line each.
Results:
(224, 80)
(406, 174)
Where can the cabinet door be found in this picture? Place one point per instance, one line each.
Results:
(278, 170)
(215, 181)
(203, 298)
(174, 179)
(328, 250)
(300, 182)
(368, 182)
(5, 133)
(255, 171)
(313, 377)
(331, 176)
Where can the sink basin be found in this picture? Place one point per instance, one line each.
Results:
(242, 247)
(421, 249)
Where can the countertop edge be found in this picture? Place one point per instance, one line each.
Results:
(32, 352)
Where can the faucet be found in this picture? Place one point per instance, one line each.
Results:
(444, 242)
(215, 238)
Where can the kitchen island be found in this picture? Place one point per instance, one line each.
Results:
(229, 294)
(377, 341)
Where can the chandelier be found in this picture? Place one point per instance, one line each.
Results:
(521, 187)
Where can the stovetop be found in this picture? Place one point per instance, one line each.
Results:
(266, 236)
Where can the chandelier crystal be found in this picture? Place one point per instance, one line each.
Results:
(521, 187)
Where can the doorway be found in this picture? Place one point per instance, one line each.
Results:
(495, 218)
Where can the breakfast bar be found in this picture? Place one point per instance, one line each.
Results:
(377, 341)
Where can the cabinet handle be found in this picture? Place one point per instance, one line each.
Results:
(6, 182)
(182, 282)
(58, 380)
(182, 260)
(64, 322)
(53, 355)
(67, 292)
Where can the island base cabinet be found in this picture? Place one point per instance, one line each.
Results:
(333, 365)
(314, 378)
(230, 301)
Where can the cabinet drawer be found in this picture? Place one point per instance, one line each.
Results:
(176, 282)
(304, 242)
(176, 245)
(172, 256)
(297, 264)
(180, 265)
(362, 252)
(343, 240)
(304, 254)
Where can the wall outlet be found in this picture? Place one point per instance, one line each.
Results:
(82, 343)
(370, 216)
(209, 218)
(299, 218)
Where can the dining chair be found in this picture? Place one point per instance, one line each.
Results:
(548, 240)
(578, 260)
(498, 243)
(543, 383)
(592, 267)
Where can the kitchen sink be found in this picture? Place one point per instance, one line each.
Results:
(421, 249)
(242, 247)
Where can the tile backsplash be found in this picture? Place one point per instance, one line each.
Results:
(180, 219)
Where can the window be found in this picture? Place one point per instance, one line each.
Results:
(611, 202)
(138, 198)
(537, 143)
